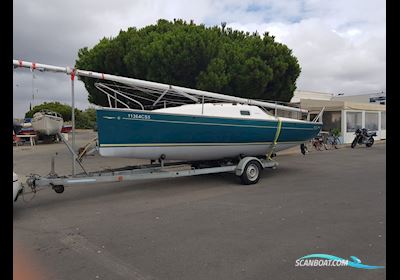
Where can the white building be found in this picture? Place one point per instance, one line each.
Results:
(345, 115)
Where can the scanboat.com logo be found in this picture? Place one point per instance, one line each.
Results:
(330, 260)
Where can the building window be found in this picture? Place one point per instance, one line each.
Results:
(371, 121)
(312, 116)
(354, 121)
(383, 120)
(332, 120)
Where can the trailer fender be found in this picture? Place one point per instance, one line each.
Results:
(242, 164)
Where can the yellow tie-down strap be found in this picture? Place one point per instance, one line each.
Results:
(278, 132)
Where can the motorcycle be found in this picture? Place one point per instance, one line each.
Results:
(363, 136)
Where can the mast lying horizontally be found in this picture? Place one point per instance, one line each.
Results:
(151, 85)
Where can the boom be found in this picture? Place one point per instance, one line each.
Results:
(152, 85)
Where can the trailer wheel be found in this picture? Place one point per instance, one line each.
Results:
(251, 173)
(58, 188)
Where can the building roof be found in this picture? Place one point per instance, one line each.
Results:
(334, 105)
(360, 97)
(303, 94)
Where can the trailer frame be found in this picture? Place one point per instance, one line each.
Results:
(159, 170)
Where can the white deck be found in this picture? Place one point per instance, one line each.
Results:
(226, 110)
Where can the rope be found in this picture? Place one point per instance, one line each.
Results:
(278, 132)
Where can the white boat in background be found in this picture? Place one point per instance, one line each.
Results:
(47, 122)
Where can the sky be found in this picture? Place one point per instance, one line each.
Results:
(340, 45)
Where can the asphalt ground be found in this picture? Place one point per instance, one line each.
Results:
(206, 227)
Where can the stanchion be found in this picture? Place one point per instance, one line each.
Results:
(73, 122)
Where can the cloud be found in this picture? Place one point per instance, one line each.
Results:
(340, 44)
(339, 49)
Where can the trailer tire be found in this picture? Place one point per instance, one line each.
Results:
(58, 188)
(251, 173)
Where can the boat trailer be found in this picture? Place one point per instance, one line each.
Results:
(247, 168)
